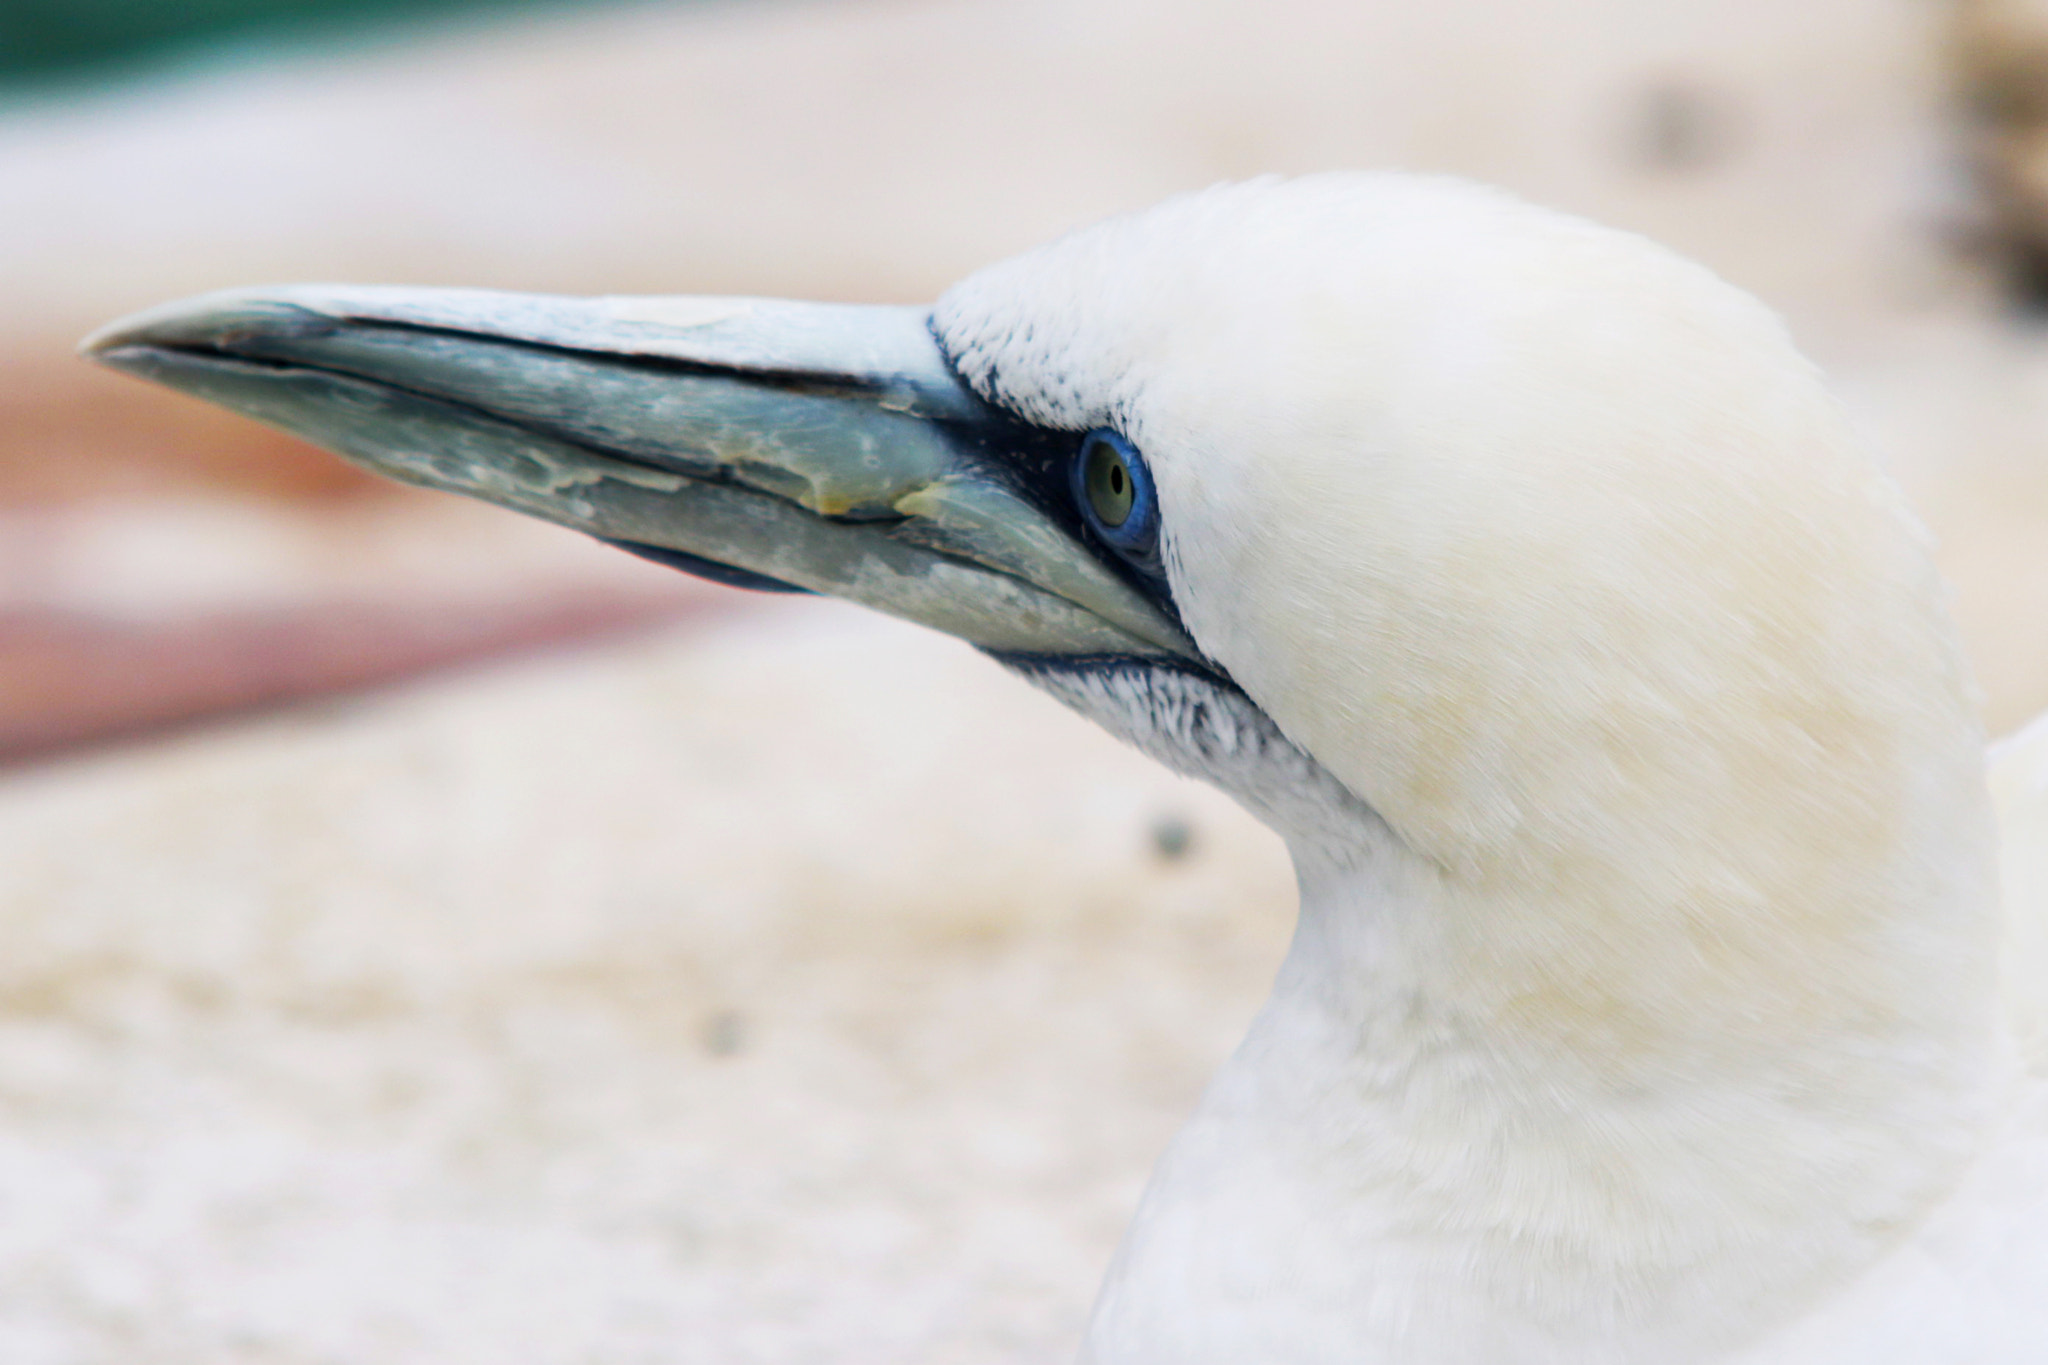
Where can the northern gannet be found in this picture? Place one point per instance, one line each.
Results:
(1653, 998)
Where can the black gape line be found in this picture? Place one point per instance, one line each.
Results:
(704, 568)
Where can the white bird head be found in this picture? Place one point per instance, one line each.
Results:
(1542, 540)
(1504, 517)
(1520, 572)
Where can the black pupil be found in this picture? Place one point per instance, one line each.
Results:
(1116, 480)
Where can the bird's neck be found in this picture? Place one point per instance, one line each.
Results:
(1536, 1113)
(1711, 1034)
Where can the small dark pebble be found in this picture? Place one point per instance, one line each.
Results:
(725, 1033)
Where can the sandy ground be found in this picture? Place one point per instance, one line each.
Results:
(788, 985)
(565, 1014)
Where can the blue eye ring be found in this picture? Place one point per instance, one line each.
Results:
(1113, 489)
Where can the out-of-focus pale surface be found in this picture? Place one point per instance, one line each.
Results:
(880, 150)
(119, 617)
(805, 990)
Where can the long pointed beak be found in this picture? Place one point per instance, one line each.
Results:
(822, 447)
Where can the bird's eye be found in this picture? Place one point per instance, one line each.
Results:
(1114, 490)
(1107, 479)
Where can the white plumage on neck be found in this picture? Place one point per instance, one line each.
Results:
(1643, 1004)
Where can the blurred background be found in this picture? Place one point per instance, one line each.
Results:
(427, 936)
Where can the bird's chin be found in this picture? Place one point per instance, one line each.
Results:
(1199, 723)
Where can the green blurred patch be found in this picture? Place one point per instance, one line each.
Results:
(58, 38)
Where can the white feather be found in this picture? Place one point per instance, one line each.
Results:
(1646, 1001)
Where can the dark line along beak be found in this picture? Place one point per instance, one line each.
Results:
(825, 447)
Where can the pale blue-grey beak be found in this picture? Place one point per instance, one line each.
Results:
(825, 447)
